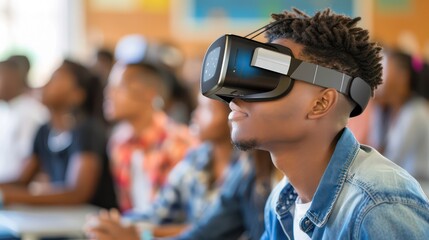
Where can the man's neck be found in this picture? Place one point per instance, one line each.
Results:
(304, 163)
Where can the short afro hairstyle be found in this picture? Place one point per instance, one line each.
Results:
(331, 40)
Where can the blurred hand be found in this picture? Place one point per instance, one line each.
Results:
(107, 226)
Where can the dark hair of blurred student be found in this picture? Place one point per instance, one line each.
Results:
(181, 103)
(423, 76)
(23, 63)
(102, 64)
(8, 88)
(70, 148)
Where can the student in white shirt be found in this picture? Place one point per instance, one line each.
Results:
(20, 117)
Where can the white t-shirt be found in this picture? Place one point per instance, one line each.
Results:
(140, 184)
(20, 120)
(299, 213)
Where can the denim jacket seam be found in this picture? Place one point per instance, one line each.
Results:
(361, 185)
(344, 174)
(378, 198)
(369, 207)
(361, 217)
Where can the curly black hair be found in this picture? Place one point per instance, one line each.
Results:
(331, 40)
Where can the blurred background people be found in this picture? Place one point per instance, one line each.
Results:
(70, 148)
(21, 114)
(238, 213)
(146, 143)
(172, 40)
(400, 127)
(195, 182)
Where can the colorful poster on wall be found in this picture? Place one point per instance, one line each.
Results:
(208, 18)
(154, 6)
(113, 5)
(251, 9)
(149, 6)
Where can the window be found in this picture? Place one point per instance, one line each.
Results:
(40, 30)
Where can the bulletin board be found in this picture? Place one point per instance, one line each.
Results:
(256, 9)
(208, 18)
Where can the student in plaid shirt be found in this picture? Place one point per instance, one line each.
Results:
(196, 181)
(145, 145)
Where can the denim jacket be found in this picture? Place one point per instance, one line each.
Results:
(361, 195)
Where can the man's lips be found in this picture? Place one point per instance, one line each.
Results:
(236, 113)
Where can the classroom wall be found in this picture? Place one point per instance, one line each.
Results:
(404, 25)
(106, 27)
(401, 25)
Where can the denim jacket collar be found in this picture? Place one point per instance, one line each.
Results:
(329, 187)
(333, 179)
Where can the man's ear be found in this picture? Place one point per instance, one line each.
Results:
(323, 103)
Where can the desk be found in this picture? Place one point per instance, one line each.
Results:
(31, 223)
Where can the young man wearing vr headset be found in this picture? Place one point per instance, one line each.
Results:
(334, 188)
(293, 97)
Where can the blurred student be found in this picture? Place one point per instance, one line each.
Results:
(70, 148)
(195, 183)
(182, 101)
(136, 48)
(238, 213)
(20, 117)
(102, 64)
(146, 144)
(400, 118)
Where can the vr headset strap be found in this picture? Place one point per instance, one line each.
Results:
(321, 76)
(299, 70)
(356, 88)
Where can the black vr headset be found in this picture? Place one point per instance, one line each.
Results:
(239, 67)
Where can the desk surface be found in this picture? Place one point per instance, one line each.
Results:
(46, 221)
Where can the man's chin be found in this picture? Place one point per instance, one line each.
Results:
(245, 145)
